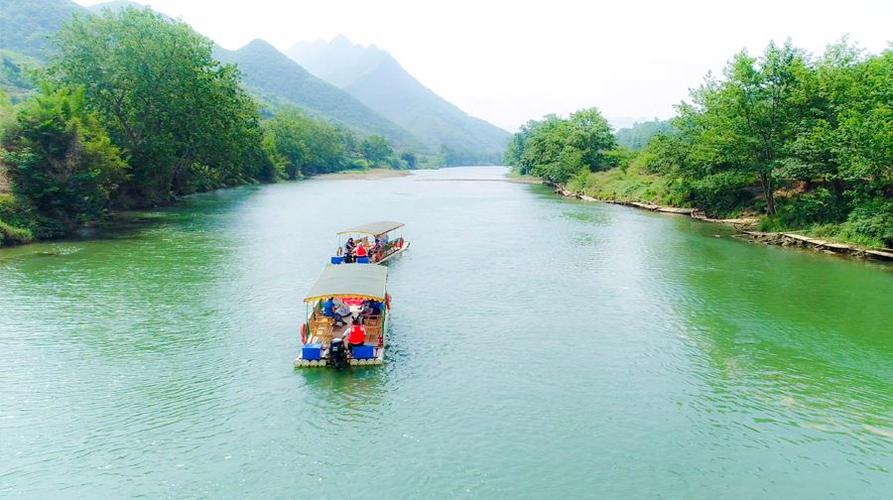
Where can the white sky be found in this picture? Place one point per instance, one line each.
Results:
(509, 61)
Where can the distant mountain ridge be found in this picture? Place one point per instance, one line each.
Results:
(376, 79)
(26, 27)
(373, 93)
(279, 80)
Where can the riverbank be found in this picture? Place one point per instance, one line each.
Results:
(746, 227)
(367, 174)
(523, 179)
(20, 226)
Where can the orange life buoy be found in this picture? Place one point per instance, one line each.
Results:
(304, 333)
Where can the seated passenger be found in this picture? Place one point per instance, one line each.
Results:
(342, 311)
(361, 250)
(356, 334)
(328, 307)
(375, 307)
(349, 248)
(367, 309)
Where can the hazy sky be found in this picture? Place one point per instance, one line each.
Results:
(509, 61)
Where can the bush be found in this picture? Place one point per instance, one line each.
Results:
(873, 220)
(819, 206)
(718, 194)
(17, 221)
(61, 159)
(11, 235)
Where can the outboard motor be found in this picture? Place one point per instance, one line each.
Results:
(338, 354)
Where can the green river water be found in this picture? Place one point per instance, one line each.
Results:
(539, 347)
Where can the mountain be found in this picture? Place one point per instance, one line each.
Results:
(14, 77)
(279, 80)
(376, 79)
(115, 6)
(27, 25)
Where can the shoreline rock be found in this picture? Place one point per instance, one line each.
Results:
(745, 226)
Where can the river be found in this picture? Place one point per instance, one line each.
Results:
(539, 347)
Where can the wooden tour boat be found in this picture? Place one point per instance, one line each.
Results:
(381, 242)
(344, 294)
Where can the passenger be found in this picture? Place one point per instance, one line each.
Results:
(361, 250)
(367, 309)
(349, 250)
(342, 311)
(375, 307)
(356, 334)
(376, 249)
(328, 307)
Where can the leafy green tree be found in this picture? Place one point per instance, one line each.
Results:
(286, 131)
(62, 159)
(181, 117)
(640, 134)
(308, 145)
(752, 118)
(591, 135)
(376, 149)
(514, 152)
(556, 149)
(410, 159)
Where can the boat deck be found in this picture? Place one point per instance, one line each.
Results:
(393, 254)
(323, 330)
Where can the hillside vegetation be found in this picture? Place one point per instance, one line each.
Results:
(640, 134)
(133, 111)
(27, 27)
(278, 79)
(375, 78)
(806, 142)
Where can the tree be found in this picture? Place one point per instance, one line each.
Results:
(756, 113)
(181, 117)
(592, 136)
(556, 149)
(376, 149)
(410, 159)
(62, 159)
(308, 145)
(640, 134)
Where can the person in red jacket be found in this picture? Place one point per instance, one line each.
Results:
(356, 334)
(361, 250)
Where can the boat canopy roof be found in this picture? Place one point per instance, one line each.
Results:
(355, 280)
(374, 228)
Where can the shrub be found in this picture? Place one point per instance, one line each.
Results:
(17, 221)
(720, 193)
(810, 208)
(61, 159)
(873, 220)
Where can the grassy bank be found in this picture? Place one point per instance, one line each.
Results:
(366, 173)
(17, 220)
(632, 185)
(624, 185)
(802, 141)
